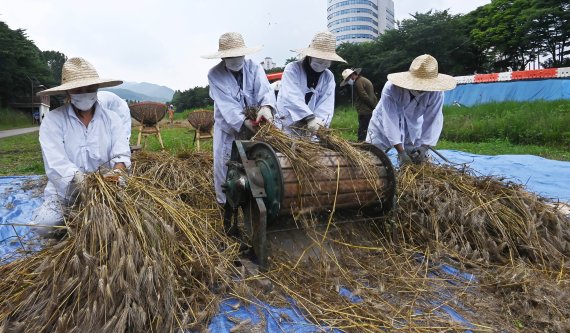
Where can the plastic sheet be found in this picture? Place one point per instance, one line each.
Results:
(519, 91)
(547, 177)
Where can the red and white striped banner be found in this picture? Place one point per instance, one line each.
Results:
(549, 73)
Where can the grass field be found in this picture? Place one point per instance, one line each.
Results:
(21, 155)
(10, 119)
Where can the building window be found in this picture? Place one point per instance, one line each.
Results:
(353, 19)
(353, 2)
(355, 27)
(354, 10)
(355, 36)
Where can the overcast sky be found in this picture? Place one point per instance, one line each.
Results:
(161, 41)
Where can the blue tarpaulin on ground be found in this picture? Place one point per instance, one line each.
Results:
(547, 177)
(519, 91)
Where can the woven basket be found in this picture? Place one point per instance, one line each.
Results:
(148, 113)
(202, 120)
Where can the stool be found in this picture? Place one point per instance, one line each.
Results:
(145, 131)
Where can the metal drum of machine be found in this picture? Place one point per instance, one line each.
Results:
(265, 186)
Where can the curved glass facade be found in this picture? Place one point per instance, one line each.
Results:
(359, 20)
(353, 19)
(355, 27)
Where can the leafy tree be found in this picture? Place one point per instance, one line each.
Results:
(196, 97)
(55, 61)
(21, 64)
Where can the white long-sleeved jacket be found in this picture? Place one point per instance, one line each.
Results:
(68, 146)
(291, 105)
(229, 103)
(401, 118)
(110, 101)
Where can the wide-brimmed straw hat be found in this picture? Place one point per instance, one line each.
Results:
(423, 75)
(77, 73)
(322, 46)
(347, 73)
(231, 45)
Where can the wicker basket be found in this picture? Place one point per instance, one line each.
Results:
(201, 120)
(148, 113)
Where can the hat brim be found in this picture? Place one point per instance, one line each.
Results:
(237, 52)
(319, 54)
(345, 81)
(61, 89)
(407, 81)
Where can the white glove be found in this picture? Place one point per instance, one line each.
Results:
(264, 113)
(116, 175)
(404, 159)
(315, 124)
(250, 125)
(78, 177)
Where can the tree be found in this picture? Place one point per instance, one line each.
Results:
(196, 97)
(21, 64)
(54, 61)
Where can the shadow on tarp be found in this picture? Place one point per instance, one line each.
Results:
(516, 91)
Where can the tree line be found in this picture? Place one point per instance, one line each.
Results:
(502, 35)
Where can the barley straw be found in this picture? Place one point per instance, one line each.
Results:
(151, 258)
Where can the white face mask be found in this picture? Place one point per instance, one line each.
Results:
(319, 65)
(234, 64)
(350, 81)
(84, 102)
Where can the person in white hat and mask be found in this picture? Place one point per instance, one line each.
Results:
(235, 83)
(365, 100)
(306, 98)
(77, 138)
(409, 116)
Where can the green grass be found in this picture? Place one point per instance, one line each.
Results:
(176, 140)
(184, 115)
(10, 119)
(534, 123)
(21, 155)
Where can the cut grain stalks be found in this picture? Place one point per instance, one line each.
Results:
(481, 218)
(135, 260)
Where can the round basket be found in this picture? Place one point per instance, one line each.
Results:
(148, 113)
(201, 120)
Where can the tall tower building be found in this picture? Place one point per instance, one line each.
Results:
(359, 21)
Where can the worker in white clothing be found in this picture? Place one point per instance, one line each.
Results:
(306, 98)
(111, 102)
(235, 83)
(78, 138)
(409, 116)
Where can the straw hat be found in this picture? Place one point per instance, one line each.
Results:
(231, 45)
(423, 75)
(347, 73)
(77, 73)
(322, 46)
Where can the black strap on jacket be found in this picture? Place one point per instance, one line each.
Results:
(312, 78)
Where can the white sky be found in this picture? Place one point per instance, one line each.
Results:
(161, 41)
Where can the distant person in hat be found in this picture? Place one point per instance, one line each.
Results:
(409, 116)
(306, 98)
(365, 99)
(77, 138)
(235, 83)
(170, 114)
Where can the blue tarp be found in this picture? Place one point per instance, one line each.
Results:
(519, 91)
(546, 177)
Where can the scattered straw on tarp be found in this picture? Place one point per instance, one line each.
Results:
(481, 218)
(150, 258)
(135, 260)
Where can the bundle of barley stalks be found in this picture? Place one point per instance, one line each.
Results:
(135, 260)
(151, 258)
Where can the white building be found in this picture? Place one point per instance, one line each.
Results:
(268, 63)
(359, 21)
